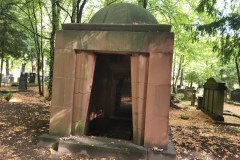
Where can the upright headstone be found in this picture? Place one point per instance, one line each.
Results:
(32, 77)
(213, 98)
(23, 82)
(200, 102)
(11, 79)
(235, 95)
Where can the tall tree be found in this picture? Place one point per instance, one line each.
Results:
(55, 26)
(143, 3)
(225, 26)
(30, 18)
(76, 12)
(12, 39)
(31, 9)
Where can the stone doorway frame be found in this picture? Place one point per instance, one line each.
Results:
(150, 76)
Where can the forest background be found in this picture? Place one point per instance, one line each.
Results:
(207, 36)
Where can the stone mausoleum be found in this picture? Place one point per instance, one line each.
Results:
(112, 77)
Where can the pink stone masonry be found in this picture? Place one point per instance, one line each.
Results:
(151, 60)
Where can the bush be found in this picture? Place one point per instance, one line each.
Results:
(186, 92)
(183, 116)
(1, 96)
(8, 96)
(15, 84)
(179, 96)
(32, 84)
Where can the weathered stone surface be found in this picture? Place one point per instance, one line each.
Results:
(103, 147)
(23, 82)
(116, 41)
(46, 140)
(235, 95)
(100, 147)
(150, 48)
(166, 154)
(118, 27)
(213, 98)
(60, 121)
(139, 72)
(123, 13)
(158, 100)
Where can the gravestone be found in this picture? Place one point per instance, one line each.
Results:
(23, 82)
(11, 79)
(32, 77)
(235, 95)
(200, 102)
(213, 98)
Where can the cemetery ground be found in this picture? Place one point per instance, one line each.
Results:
(195, 135)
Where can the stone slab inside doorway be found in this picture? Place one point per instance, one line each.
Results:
(101, 147)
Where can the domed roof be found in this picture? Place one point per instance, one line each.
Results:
(123, 13)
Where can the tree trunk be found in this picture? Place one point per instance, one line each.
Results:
(7, 66)
(238, 72)
(55, 26)
(143, 3)
(191, 84)
(38, 48)
(74, 11)
(38, 74)
(2, 57)
(179, 70)
(41, 47)
(173, 74)
(33, 65)
(80, 10)
(181, 80)
(23, 67)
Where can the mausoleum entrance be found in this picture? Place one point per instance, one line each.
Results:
(114, 75)
(110, 106)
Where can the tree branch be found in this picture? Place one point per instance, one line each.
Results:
(57, 3)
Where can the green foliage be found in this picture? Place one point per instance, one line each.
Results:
(225, 26)
(192, 76)
(207, 6)
(15, 84)
(78, 128)
(186, 93)
(7, 96)
(179, 96)
(26, 36)
(11, 37)
(32, 84)
(184, 117)
(109, 2)
(228, 74)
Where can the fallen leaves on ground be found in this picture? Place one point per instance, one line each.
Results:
(199, 138)
(22, 121)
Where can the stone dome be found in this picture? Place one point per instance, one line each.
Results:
(123, 13)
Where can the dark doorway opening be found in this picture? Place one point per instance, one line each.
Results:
(110, 107)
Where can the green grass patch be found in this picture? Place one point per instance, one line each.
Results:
(184, 116)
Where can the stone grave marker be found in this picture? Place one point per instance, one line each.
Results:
(235, 95)
(32, 77)
(213, 98)
(23, 82)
